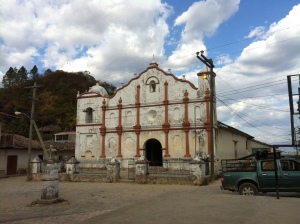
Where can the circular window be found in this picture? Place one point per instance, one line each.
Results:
(152, 115)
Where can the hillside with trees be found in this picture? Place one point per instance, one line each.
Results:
(55, 104)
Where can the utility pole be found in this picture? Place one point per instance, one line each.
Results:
(209, 63)
(34, 87)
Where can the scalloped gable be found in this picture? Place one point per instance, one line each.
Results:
(154, 65)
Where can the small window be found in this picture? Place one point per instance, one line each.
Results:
(89, 115)
(41, 157)
(268, 166)
(152, 86)
(288, 165)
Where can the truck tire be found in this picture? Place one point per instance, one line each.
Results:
(248, 189)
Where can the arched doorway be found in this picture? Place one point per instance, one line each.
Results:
(154, 152)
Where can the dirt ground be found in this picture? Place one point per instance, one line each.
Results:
(83, 199)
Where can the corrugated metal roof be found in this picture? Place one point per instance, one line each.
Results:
(66, 133)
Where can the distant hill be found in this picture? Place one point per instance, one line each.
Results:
(56, 98)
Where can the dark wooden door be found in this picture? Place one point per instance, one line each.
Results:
(12, 162)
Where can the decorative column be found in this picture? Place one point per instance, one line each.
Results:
(119, 128)
(166, 125)
(186, 124)
(103, 129)
(137, 127)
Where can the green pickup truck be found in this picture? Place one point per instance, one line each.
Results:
(253, 175)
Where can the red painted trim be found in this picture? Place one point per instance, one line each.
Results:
(137, 127)
(186, 124)
(158, 129)
(103, 129)
(166, 125)
(155, 66)
(187, 145)
(81, 96)
(83, 125)
(157, 81)
(155, 105)
(119, 128)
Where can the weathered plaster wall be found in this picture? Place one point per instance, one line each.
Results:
(88, 139)
(22, 158)
(128, 144)
(152, 116)
(226, 145)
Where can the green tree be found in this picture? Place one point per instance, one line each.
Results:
(56, 100)
(9, 78)
(34, 72)
(110, 88)
(22, 76)
(48, 71)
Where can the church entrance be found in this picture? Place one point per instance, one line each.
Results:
(154, 152)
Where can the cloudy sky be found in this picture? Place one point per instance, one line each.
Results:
(254, 45)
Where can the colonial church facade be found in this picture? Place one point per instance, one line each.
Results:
(156, 115)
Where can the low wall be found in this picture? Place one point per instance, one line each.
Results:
(74, 177)
(187, 180)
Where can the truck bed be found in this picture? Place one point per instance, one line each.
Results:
(238, 165)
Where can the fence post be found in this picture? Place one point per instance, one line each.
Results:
(72, 166)
(141, 170)
(113, 171)
(35, 168)
(196, 166)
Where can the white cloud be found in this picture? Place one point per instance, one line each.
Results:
(263, 66)
(115, 39)
(204, 17)
(201, 19)
(256, 32)
(89, 35)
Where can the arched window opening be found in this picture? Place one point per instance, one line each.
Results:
(152, 86)
(89, 115)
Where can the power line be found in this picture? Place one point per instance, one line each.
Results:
(245, 39)
(224, 45)
(263, 85)
(246, 120)
(264, 108)
(259, 106)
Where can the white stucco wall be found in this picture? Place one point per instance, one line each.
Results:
(22, 158)
(152, 116)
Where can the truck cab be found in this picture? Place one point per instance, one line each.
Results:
(252, 175)
(288, 171)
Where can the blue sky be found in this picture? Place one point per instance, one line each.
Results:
(254, 44)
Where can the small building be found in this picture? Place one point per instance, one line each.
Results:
(14, 152)
(233, 143)
(67, 136)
